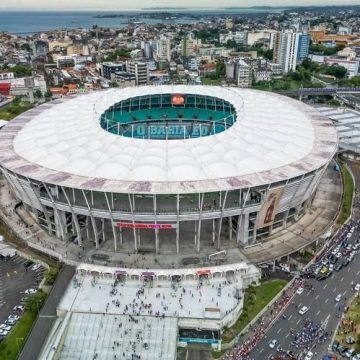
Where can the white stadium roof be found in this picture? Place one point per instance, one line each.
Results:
(274, 138)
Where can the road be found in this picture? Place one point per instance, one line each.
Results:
(47, 316)
(321, 302)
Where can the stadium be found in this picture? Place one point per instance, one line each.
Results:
(167, 169)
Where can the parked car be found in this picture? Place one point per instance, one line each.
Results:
(338, 297)
(309, 355)
(35, 267)
(350, 353)
(300, 290)
(30, 291)
(338, 266)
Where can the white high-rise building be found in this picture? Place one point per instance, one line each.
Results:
(286, 45)
(163, 49)
(140, 70)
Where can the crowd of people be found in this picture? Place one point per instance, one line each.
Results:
(307, 336)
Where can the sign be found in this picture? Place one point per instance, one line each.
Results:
(178, 100)
(198, 340)
(269, 208)
(145, 226)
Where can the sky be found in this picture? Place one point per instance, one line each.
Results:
(137, 4)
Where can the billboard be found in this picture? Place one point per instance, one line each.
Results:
(145, 226)
(177, 99)
(269, 208)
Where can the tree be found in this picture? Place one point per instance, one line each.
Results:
(38, 94)
(21, 71)
(25, 46)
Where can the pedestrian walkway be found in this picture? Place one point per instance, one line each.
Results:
(110, 337)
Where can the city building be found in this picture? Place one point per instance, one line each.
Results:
(140, 70)
(109, 69)
(40, 48)
(5, 75)
(63, 62)
(124, 79)
(243, 74)
(138, 170)
(290, 48)
(303, 47)
(163, 49)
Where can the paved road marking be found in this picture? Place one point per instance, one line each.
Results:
(326, 300)
(287, 335)
(342, 279)
(261, 350)
(290, 317)
(348, 269)
(279, 330)
(318, 313)
(334, 289)
(325, 286)
(298, 322)
(317, 296)
(358, 272)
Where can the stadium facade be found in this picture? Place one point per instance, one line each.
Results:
(167, 167)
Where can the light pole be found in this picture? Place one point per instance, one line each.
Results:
(17, 344)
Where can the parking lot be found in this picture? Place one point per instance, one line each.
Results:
(16, 276)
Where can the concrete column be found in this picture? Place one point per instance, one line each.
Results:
(285, 217)
(87, 227)
(213, 231)
(177, 237)
(121, 235)
(195, 233)
(103, 228)
(96, 234)
(60, 220)
(198, 236)
(157, 241)
(139, 237)
(230, 228)
(243, 229)
(78, 230)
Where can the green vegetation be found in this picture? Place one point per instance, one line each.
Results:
(14, 342)
(353, 82)
(18, 70)
(345, 329)
(15, 108)
(323, 50)
(256, 298)
(348, 195)
(51, 275)
(117, 54)
(208, 35)
(210, 80)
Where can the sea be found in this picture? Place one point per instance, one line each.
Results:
(30, 22)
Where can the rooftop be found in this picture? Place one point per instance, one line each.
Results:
(274, 138)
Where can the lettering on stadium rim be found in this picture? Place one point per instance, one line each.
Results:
(145, 226)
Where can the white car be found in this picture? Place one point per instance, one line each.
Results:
(272, 343)
(30, 291)
(303, 310)
(14, 317)
(300, 290)
(3, 332)
(338, 297)
(348, 235)
(35, 267)
(19, 308)
(309, 355)
(338, 255)
(357, 287)
(5, 327)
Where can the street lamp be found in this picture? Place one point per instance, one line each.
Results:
(17, 344)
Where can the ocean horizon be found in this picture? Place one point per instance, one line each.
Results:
(34, 21)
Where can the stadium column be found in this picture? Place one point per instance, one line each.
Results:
(131, 202)
(112, 221)
(93, 222)
(222, 204)
(177, 222)
(74, 217)
(156, 229)
(230, 228)
(239, 231)
(243, 229)
(213, 231)
(59, 226)
(201, 202)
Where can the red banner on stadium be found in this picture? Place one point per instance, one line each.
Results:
(145, 226)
